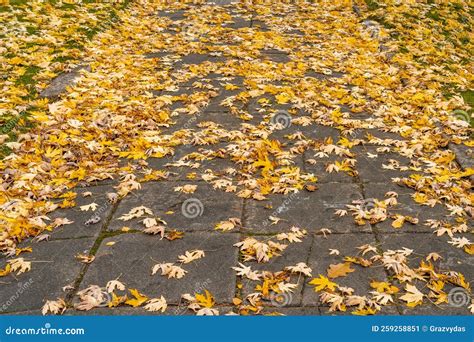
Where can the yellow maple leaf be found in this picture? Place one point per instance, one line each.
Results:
(322, 283)
(420, 198)
(283, 98)
(413, 296)
(364, 312)
(5, 271)
(206, 299)
(399, 220)
(383, 287)
(138, 299)
(339, 270)
(469, 249)
(117, 300)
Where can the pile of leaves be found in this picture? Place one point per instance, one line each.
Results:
(40, 40)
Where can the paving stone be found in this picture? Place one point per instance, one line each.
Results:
(223, 117)
(260, 25)
(275, 56)
(428, 309)
(293, 254)
(212, 205)
(362, 117)
(159, 54)
(237, 23)
(196, 58)
(172, 310)
(313, 131)
(320, 132)
(216, 164)
(215, 102)
(319, 169)
(362, 134)
(213, 78)
(292, 311)
(132, 257)
(319, 261)
(60, 83)
(185, 152)
(321, 76)
(23, 313)
(310, 210)
(255, 108)
(224, 2)
(454, 259)
(406, 206)
(464, 155)
(53, 266)
(173, 15)
(79, 228)
(390, 310)
(373, 170)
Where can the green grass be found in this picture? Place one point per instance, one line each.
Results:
(372, 5)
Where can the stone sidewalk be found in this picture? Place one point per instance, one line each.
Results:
(129, 254)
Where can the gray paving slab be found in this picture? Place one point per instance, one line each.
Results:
(320, 168)
(453, 259)
(133, 256)
(379, 166)
(53, 266)
(406, 206)
(61, 82)
(464, 155)
(85, 223)
(310, 210)
(293, 254)
(199, 211)
(346, 244)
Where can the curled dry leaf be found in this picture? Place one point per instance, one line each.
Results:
(190, 256)
(154, 230)
(300, 267)
(55, 307)
(113, 285)
(19, 265)
(156, 304)
(84, 258)
(170, 270)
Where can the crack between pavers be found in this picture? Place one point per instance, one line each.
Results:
(70, 238)
(308, 233)
(95, 247)
(378, 242)
(239, 279)
(305, 287)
